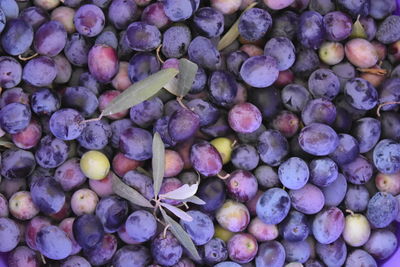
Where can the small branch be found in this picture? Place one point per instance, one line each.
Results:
(223, 175)
(91, 120)
(350, 212)
(43, 259)
(375, 71)
(378, 110)
(179, 99)
(158, 54)
(20, 57)
(165, 230)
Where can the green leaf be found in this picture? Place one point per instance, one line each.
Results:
(181, 235)
(130, 194)
(6, 144)
(358, 30)
(233, 32)
(140, 91)
(195, 200)
(187, 73)
(178, 212)
(158, 162)
(183, 192)
(172, 86)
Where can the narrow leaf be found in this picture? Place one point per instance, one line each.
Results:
(181, 235)
(158, 162)
(172, 86)
(233, 32)
(187, 73)
(130, 194)
(178, 212)
(140, 91)
(183, 192)
(195, 200)
(6, 144)
(358, 30)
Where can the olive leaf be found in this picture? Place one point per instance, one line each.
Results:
(187, 72)
(233, 32)
(195, 200)
(140, 91)
(158, 162)
(178, 212)
(183, 192)
(127, 192)
(181, 235)
(358, 30)
(6, 144)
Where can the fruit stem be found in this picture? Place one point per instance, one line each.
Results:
(90, 120)
(179, 99)
(350, 211)
(43, 259)
(165, 230)
(223, 175)
(375, 71)
(27, 58)
(378, 110)
(158, 54)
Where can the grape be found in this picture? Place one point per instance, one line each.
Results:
(335, 192)
(254, 24)
(234, 61)
(309, 199)
(333, 254)
(66, 226)
(154, 14)
(318, 139)
(223, 88)
(10, 232)
(15, 117)
(40, 71)
(273, 206)
(272, 147)
(178, 10)
(50, 38)
(132, 254)
(328, 225)
(141, 66)
(53, 243)
(359, 258)
(382, 210)
(10, 72)
(311, 29)
(361, 53)
(260, 71)
(295, 97)
(16, 44)
(66, 124)
(271, 254)
(322, 6)
(359, 171)
(77, 49)
(361, 94)
(293, 173)
(140, 182)
(385, 156)
(283, 50)
(319, 110)
(89, 20)
(324, 83)
(10, 8)
(382, 244)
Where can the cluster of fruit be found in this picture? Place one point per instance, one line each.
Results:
(191, 133)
